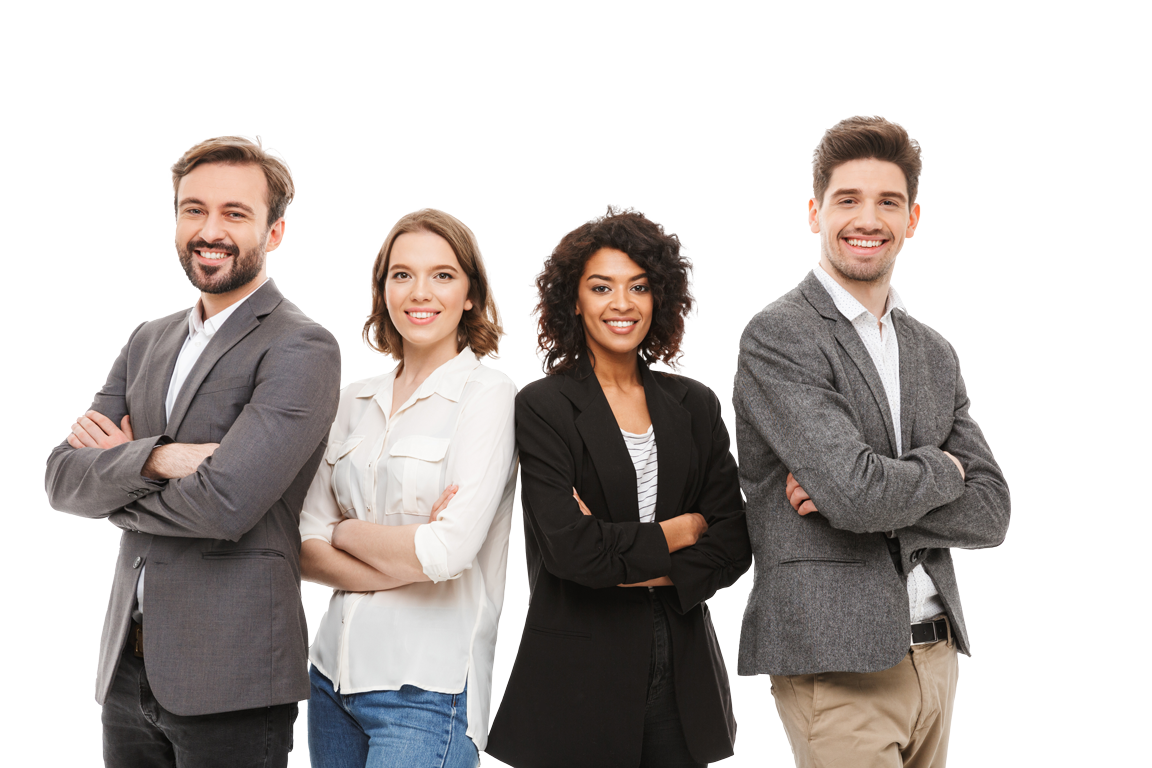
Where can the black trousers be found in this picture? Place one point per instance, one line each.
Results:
(664, 744)
(139, 733)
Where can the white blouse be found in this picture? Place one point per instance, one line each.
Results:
(457, 428)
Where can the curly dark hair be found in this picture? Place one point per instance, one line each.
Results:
(561, 332)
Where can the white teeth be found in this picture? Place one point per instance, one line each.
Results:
(213, 254)
(864, 243)
(421, 315)
(621, 323)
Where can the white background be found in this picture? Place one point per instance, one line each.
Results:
(526, 120)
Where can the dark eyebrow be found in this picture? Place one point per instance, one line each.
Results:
(230, 204)
(857, 193)
(640, 276)
(441, 268)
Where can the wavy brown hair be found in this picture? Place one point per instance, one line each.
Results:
(479, 327)
(861, 138)
(561, 331)
(237, 150)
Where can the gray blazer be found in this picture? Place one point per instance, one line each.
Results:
(224, 627)
(830, 588)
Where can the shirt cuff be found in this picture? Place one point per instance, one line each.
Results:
(432, 554)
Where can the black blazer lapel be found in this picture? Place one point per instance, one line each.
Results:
(602, 439)
(849, 339)
(672, 425)
(240, 324)
(157, 377)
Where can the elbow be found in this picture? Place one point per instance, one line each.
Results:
(585, 574)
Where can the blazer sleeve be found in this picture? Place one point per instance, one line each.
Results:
(95, 482)
(785, 389)
(723, 553)
(292, 406)
(574, 546)
(979, 518)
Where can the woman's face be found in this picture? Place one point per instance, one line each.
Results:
(615, 303)
(426, 291)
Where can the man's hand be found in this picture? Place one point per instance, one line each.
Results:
(177, 460)
(956, 461)
(95, 430)
(442, 502)
(798, 497)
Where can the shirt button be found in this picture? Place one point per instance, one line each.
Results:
(136, 562)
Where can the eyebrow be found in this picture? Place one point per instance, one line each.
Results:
(229, 204)
(606, 279)
(857, 193)
(441, 268)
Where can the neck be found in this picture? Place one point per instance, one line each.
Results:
(873, 294)
(617, 371)
(215, 303)
(420, 361)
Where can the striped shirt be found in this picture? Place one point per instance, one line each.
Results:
(642, 449)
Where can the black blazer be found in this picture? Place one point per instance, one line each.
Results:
(577, 692)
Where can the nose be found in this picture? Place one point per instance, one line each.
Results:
(213, 229)
(867, 218)
(421, 289)
(621, 300)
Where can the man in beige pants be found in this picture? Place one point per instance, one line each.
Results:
(862, 467)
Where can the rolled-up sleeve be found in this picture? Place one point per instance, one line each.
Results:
(481, 461)
(321, 513)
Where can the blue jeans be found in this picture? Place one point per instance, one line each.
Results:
(408, 728)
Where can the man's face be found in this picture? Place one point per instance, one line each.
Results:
(863, 219)
(222, 231)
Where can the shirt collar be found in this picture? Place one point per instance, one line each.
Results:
(847, 304)
(211, 325)
(447, 381)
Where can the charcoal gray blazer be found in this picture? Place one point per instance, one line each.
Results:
(830, 588)
(223, 625)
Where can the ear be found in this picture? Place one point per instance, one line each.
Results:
(813, 216)
(275, 235)
(467, 305)
(913, 220)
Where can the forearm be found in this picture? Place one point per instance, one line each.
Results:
(663, 581)
(322, 563)
(390, 549)
(95, 482)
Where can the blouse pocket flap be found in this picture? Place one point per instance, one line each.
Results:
(420, 447)
(338, 450)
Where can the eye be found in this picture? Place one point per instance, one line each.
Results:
(193, 211)
(601, 289)
(445, 276)
(641, 288)
(399, 275)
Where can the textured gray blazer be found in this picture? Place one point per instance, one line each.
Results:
(830, 592)
(223, 625)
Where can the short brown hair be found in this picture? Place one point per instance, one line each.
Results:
(861, 138)
(479, 327)
(237, 150)
(561, 331)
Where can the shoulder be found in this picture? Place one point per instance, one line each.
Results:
(489, 383)
(542, 391)
(696, 396)
(932, 343)
(791, 313)
(287, 319)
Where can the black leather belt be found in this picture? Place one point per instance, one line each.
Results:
(930, 631)
(136, 640)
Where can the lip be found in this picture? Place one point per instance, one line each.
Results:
(212, 262)
(858, 251)
(625, 330)
(421, 320)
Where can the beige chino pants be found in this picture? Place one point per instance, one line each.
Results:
(888, 719)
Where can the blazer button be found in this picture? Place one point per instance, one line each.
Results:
(136, 562)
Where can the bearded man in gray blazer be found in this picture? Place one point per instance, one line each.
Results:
(862, 468)
(201, 446)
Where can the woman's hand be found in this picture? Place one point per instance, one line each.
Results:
(683, 530)
(442, 502)
(583, 509)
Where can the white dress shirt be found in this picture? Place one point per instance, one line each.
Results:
(880, 341)
(200, 332)
(456, 429)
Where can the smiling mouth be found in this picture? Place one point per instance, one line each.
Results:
(621, 323)
(860, 242)
(421, 315)
(212, 255)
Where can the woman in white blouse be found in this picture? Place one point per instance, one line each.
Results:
(409, 514)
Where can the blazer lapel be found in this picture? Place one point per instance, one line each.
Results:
(601, 435)
(850, 340)
(240, 324)
(911, 366)
(672, 425)
(158, 375)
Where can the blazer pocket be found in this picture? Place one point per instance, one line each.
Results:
(837, 561)
(416, 463)
(219, 385)
(242, 554)
(560, 633)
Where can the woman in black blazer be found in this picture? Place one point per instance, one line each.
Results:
(619, 664)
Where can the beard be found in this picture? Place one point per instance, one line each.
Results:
(243, 268)
(863, 273)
